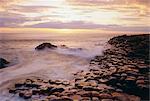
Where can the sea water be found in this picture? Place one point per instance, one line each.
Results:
(73, 54)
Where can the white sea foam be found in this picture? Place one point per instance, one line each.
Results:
(85, 53)
(52, 64)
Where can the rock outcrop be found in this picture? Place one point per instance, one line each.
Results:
(130, 59)
(3, 63)
(45, 45)
(136, 46)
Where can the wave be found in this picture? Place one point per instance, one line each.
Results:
(59, 63)
(84, 53)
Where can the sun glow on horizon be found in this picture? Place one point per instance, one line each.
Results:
(66, 30)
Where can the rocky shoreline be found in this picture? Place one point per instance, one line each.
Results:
(121, 74)
(3, 63)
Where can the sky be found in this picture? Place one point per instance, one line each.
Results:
(75, 16)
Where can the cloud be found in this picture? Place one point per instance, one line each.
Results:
(76, 14)
(107, 2)
(133, 29)
(11, 21)
(6, 3)
(29, 9)
(85, 25)
(8, 19)
(127, 11)
(62, 25)
(139, 6)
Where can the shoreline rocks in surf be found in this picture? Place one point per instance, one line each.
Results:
(115, 76)
(78, 89)
(3, 63)
(136, 46)
(45, 45)
(129, 59)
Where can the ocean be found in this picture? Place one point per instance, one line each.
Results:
(73, 54)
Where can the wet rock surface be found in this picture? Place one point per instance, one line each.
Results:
(70, 92)
(135, 46)
(130, 56)
(112, 77)
(45, 45)
(3, 63)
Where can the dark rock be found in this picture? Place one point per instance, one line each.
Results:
(78, 86)
(57, 90)
(93, 83)
(120, 97)
(34, 92)
(103, 80)
(130, 81)
(140, 78)
(81, 84)
(65, 98)
(32, 85)
(124, 97)
(137, 44)
(63, 46)
(57, 82)
(107, 100)
(123, 74)
(51, 82)
(3, 63)
(102, 87)
(86, 99)
(85, 94)
(144, 70)
(27, 95)
(19, 85)
(117, 75)
(21, 93)
(105, 96)
(119, 90)
(45, 45)
(22, 89)
(132, 73)
(89, 88)
(46, 91)
(95, 94)
(66, 83)
(12, 91)
(55, 99)
(140, 82)
(29, 81)
(95, 99)
(112, 81)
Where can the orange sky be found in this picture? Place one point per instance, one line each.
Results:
(74, 16)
